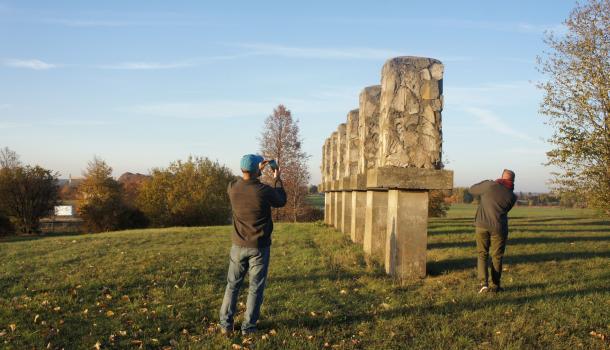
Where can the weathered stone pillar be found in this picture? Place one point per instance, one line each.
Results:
(341, 158)
(338, 221)
(332, 177)
(409, 158)
(375, 202)
(375, 222)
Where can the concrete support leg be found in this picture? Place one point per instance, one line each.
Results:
(375, 221)
(358, 215)
(407, 234)
(327, 216)
(346, 212)
(338, 205)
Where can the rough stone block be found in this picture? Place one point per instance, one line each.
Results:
(368, 126)
(409, 136)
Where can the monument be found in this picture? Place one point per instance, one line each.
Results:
(379, 166)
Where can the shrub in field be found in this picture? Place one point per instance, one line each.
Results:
(437, 206)
(27, 194)
(189, 193)
(100, 198)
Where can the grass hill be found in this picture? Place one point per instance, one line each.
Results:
(162, 288)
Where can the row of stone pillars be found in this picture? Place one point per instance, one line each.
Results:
(379, 166)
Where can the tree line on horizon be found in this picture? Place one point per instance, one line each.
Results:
(191, 192)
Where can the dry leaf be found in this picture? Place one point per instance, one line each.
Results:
(343, 291)
(109, 313)
(264, 337)
(313, 314)
(235, 346)
(125, 298)
(273, 332)
(122, 333)
(12, 327)
(57, 308)
(36, 318)
(97, 345)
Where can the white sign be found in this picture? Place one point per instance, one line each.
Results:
(63, 210)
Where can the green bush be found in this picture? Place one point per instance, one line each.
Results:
(189, 193)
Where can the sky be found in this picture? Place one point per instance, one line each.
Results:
(144, 83)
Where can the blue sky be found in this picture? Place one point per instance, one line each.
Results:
(142, 83)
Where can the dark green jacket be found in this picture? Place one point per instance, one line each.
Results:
(251, 203)
(496, 201)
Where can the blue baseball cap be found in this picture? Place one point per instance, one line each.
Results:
(250, 163)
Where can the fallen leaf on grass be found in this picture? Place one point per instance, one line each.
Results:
(273, 332)
(343, 291)
(125, 298)
(598, 335)
(12, 327)
(57, 308)
(97, 345)
(36, 318)
(109, 313)
(122, 333)
(2, 333)
(384, 305)
(264, 337)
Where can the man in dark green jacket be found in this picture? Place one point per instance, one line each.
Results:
(251, 203)
(491, 221)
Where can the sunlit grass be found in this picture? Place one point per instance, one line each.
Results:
(162, 288)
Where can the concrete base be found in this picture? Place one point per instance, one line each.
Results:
(335, 210)
(346, 212)
(327, 206)
(375, 222)
(338, 210)
(358, 216)
(407, 234)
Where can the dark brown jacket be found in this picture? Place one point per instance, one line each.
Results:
(251, 203)
(496, 201)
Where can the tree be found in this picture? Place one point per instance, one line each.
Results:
(9, 158)
(577, 103)
(281, 140)
(187, 193)
(100, 198)
(27, 194)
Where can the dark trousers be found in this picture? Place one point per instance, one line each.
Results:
(494, 244)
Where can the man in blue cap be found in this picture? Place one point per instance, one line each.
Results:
(251, 203)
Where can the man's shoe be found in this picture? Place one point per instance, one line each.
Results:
(225, 331)
(484, 289)
(496, 289)
(247, 332)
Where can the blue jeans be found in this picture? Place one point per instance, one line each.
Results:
(242, 260)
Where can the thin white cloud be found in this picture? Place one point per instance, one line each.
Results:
(12, 125)
(495, 123)
(146, 65)
(321, 53)
(34, 64)
(333, 53)
(77, 122)
(499, 26)
(204, 110)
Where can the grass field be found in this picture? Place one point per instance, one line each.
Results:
(161, 288)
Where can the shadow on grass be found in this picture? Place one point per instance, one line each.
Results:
(524, 240)
(20, 238)
(350, 318)
(436, 268)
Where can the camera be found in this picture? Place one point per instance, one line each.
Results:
(273, 164)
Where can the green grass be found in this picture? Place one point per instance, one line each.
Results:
(164, 288)
(316, 200)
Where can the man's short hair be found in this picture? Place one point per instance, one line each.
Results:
(509, 172)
